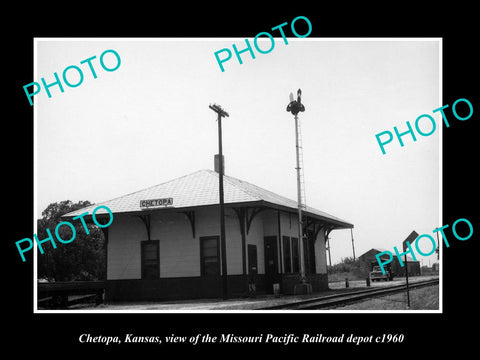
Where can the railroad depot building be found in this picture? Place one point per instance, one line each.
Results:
(164, 241)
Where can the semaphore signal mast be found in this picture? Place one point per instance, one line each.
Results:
(296, 106)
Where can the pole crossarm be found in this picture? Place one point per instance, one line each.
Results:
(218, 109)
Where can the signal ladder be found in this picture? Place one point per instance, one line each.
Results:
(303, 198)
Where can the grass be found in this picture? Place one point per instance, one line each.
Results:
(426, 298)
(340, 276)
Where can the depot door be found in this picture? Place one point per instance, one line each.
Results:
(271, 262)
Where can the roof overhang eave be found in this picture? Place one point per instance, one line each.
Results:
(337, 224)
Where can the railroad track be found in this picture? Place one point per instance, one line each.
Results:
(346, 298)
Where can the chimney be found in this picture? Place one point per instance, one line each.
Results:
(217, 164)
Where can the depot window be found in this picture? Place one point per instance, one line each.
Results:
(295, 256)
(209, 256)
(290, 255)
(287, 254)
(150, 259)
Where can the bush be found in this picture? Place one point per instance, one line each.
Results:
(346, 266)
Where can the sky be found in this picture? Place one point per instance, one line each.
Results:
(148, 122)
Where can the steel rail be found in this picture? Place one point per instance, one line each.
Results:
(345, 298)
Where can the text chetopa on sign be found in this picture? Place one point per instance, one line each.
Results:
(156, 202)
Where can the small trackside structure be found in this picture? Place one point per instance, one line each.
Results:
(368, 261)
(164, 242)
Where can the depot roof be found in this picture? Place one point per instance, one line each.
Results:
(201, 189)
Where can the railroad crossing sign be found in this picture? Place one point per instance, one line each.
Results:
(410, 239)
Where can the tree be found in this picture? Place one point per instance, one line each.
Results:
(347, 264)
(80, 260)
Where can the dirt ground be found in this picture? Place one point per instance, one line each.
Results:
(257, 303)
(426, 298)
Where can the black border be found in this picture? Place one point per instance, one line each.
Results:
(57, 334)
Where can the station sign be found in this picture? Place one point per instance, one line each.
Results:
(145, 204)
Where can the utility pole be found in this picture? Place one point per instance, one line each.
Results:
(221, 113)
(413, 235)
(353, 245)
(406, 279)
